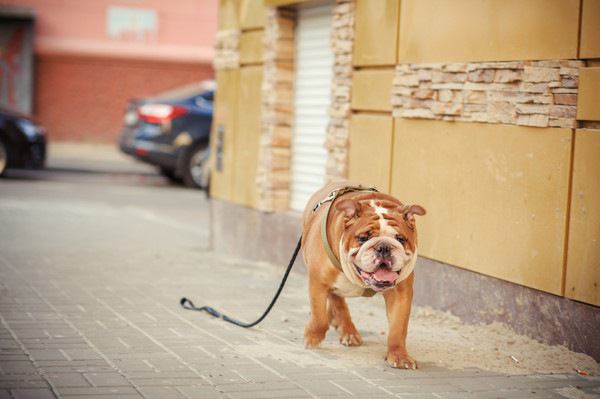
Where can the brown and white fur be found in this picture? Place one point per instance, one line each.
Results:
(375, 238)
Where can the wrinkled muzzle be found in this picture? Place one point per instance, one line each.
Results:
(379, 262)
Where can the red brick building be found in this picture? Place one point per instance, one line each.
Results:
(92, 56)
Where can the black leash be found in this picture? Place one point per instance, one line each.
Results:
(216, 313)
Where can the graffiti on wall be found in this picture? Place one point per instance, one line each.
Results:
(16, 65)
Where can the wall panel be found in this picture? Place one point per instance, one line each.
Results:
(223, 133)
(251, 47)
(252, 14)
(228, 15)
(370, 150)
(496, 196)
(590, 29)
(372, 89)
(487, 30)
(248, 135)
(588, 100)
(583, 266)
(376, 32)
(280, 3)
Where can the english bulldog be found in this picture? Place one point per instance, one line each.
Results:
(359, 242)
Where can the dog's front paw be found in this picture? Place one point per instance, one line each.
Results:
(400, 360)
(312, 342)
(313, 337)
(351, 338)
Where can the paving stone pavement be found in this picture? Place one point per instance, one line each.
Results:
(90, 278)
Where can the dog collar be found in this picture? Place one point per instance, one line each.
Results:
(331, 197)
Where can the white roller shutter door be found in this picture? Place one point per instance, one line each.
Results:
(312, 92)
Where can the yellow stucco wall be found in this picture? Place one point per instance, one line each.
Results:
(496, 196)
(372, 89)
(252, 14)
(224, 119)
(228, 15)
(370, 154)
(487, 30)
(583, 266)
(251, 47)
(247, 136)
(588, 101)
(280, 3)
(590, 29)
(376, 31)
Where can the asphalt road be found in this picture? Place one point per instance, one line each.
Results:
(94, 256)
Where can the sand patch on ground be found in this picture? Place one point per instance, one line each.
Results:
(435, 338)
(441, 338)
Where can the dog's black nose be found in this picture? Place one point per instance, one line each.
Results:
(383, 250)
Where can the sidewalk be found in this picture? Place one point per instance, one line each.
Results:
(93, 157)
(90, 335)
(90, 281)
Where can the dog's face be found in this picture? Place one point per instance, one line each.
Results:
(379, 241)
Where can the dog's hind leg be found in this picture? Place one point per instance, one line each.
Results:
(339, 318)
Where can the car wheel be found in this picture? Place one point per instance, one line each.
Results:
(195, 172)
(3, 157)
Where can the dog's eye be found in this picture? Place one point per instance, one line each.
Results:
(363, 238)
(401, 239)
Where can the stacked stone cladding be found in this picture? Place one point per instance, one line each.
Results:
(528, 93)
(273, 174)
(342, 41)
(227, 49)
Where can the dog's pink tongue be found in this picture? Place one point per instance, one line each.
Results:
(385, 275)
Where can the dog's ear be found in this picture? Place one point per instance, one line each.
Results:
(350, 208)
(410, 211)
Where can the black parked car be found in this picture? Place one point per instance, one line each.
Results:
(22, 141)
(171, 131)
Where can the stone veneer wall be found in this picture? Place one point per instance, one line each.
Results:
(528, 93)
(227, 49)
(273, 174)
(338, 129)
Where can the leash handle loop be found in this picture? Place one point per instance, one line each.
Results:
(189, 305)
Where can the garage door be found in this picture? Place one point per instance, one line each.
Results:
(314, 63)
